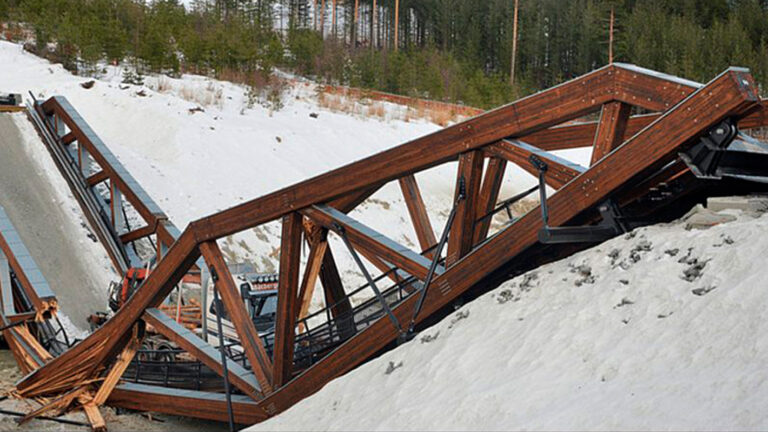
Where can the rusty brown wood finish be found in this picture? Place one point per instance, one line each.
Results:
(288, 284)
(462, 234)
(557, 174)
(69, 366)
(97, 178)
(611, 129)
(567, 101)
(139, 398)
(230, 296)
(367, 239)
(418, 212)
(309, 278)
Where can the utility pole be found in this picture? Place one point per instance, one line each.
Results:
(514, 44)
(610, 39)
(397, 22)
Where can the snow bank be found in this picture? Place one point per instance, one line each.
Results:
(663, 328)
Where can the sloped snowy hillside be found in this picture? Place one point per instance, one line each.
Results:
(198, 146)
(662, 328)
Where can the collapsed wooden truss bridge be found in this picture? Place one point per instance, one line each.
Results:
(660, 144)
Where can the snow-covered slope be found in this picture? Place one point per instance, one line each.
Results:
(663, 328)
(196, 163)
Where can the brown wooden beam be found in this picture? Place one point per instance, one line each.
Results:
(489, 194)
(462, 235)
(137, 234)
(69, 368)
(611, 129)
(309, 279)
(97, 178)
(559, 171)
(205, 405)
(288, 283)
(335, 296)
(375, 243)
(69, 138)
(230, 296)
(118, 368)
(418, 212)
(565, 102)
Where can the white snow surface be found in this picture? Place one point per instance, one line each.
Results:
(197, 163)
(612, 338)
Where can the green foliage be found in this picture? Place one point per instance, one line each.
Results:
(452, 50)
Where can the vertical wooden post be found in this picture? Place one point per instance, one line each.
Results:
(489, 194)
(610, 129)
(288, 283)
(514, 44)
(463, 228)
(230, 295)
(418, 212)
(397, 23)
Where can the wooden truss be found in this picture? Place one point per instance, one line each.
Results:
(632, 155)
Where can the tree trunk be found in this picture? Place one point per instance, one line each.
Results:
(397, 23)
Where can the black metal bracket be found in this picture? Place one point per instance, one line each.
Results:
(610, 226)
(705, 158)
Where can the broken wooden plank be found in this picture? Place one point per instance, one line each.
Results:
(118, 368)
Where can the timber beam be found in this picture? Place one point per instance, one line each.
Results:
(233, 302)
(366, 238)
(559, 170)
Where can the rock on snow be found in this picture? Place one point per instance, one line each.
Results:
(615, 337)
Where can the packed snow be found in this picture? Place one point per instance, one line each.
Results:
(662, 328)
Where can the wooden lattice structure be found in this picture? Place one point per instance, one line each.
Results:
(637, 172)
